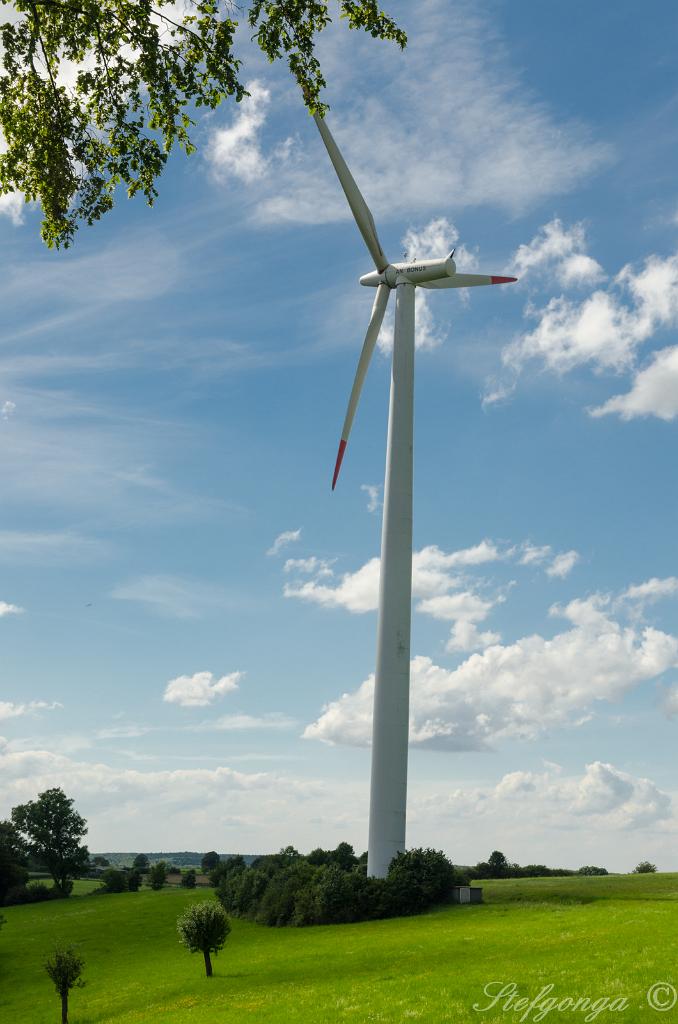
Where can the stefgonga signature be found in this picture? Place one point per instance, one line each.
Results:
(505, 996)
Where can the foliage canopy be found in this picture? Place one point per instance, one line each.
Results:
(52, 830)
(96, 93)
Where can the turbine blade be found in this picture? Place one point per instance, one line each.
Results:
(466, 281)
(373, 328)
(359, 207)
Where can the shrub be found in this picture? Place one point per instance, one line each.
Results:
(114, 880)
(332, 887)
(240, 893)
(226, 868)
(276, 906)
(188, 879)
(645, 868)
(34, 892)
(591, 869)
(418, 879)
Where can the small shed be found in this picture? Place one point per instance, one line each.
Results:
(467, 894)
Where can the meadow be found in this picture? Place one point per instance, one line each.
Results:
(611, 936)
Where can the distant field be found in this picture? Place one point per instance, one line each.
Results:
(612, 936)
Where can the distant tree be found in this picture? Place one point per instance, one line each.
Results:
(13, 853)
(498, 864)
(318, 857)
(188, 879)
(204, 928)
(591, 869)
(133, 880)
(64, 967)
(645, 868)
(141, 862)
(157, 875)
(209, 861)
(114, 880)
(101, 862)
(52, 830)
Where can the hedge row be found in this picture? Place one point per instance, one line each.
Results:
(290, 889)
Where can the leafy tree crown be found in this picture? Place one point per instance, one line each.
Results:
(204, 927)
(94, 94)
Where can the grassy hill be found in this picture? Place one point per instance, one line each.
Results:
(610, 936)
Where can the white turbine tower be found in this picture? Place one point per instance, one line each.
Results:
(390, 725)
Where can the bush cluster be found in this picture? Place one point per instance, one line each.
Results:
(331, 887)
(34, 892)
(119, 880)
(497, 866)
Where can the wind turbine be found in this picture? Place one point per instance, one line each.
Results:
(390, 724)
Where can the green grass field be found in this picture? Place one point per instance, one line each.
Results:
(596, 937)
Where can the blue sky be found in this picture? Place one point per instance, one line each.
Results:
(187, 615)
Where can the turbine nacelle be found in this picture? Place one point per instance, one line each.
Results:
(416, 272)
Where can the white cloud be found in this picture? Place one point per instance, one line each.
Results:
(625, 801)
(486, 141)
(9, 609)
(435, 239)
(533, 553)
(260, 811)
(654, 391)
(652, 590)
(560, 252)
(312, 566)
(12, 205)
(7, 410)
(602, 329)
(200, 689)
(236, 150)
(562, 565)
(373, 492)
(671, 702)
(173, 596)
(8, 709)
(517, 690)
(359, 591)
(283, 540)
(47, 547)
(240, 722)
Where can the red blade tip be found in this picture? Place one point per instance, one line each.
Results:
(337, 467)
(503, 280)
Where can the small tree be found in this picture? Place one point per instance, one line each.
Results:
(591, 869)
(101, 862)
(645, 868)
(188, 879)
(203, 928)
(158, 875)
(133, 881)
(498, 864)
(64, 967)
(209, 861)
(141, 862)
